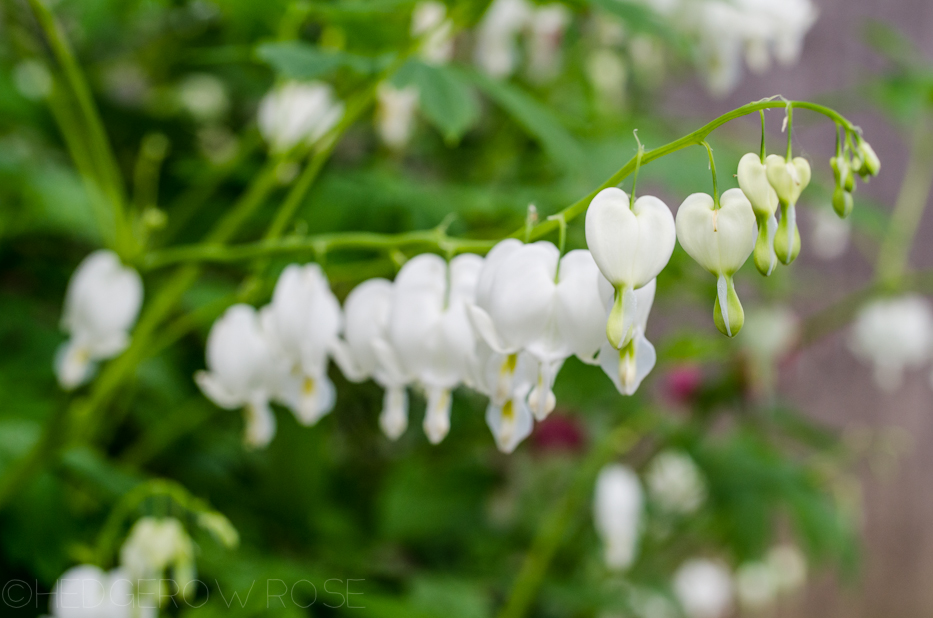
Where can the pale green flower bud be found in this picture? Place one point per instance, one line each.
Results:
(789, 178)
(842, 202)
(871, 164)
(787, 237)
(727, 310)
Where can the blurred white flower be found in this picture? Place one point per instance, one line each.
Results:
(675, 482)
(241, 371)
(531, 299)
(496, 48)
(769, 334)
(395, 115)
(546, 33)
(429, 20)
(893, 334)
(127, 83)
(87, 592)
(728, 33)
(632, 364)
(101, 306)
(649, 604)
(789, 567)
(430, 332)
(830, 234)
(720, 241)
(617, 514)
(631, 244)
(298, 113)
(153, 546)
(704, 588)
(607, 72)
(755, 586)
(32, 79)
(302, 324)
(367, 311)
(203, 96)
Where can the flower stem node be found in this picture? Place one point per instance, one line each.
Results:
(631, 243)
(720, 241)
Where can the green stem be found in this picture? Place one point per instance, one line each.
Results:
(430, 238)
(310, 245)
(908, 210)
(712, 169)
(790, 131)
(108, 171)
(555, 522)
(692, 139)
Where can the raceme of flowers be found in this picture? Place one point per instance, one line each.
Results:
(726, 33)
(502, 325)
(139, 584)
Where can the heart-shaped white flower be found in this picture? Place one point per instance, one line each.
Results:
(430, 332)
(753, 179)
(789, 179)
(367, 310)
(720, 240)
(530, 298)
(631, 244)
(101, 305)
(242, 372)
(617, 514)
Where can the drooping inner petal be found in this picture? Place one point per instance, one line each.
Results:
(506, 377)
(260, 423)
(628, 373)
(437, 416)
(722, 290)
(541, 399)
(394, 416)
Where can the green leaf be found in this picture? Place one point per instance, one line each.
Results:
(297, 60)
(538, 120)
(446, 98)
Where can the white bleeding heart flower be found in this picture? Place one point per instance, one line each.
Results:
(85, 591)
(617, 514)
(720, 240)
(367, 311)
(429, 20)
(303, 324)
(242, 372)
(298, 113)
(753, 180)
(395, 114)
(531, 299)
(546, 32)
(893, 334)
(101, 306)
(630, 365)
(789, 566)
(495, 51)
(631, 244)
(506, 379)
(755, 586)
(675, 482)
(789, 179)
(430, 332)
(155, 545)
(704, 588)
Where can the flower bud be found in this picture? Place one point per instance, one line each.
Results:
(764, 255)
(842, 172)
(787, 237)
(789, 178)
(753, 179)
(842, 202)
(871, 164)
